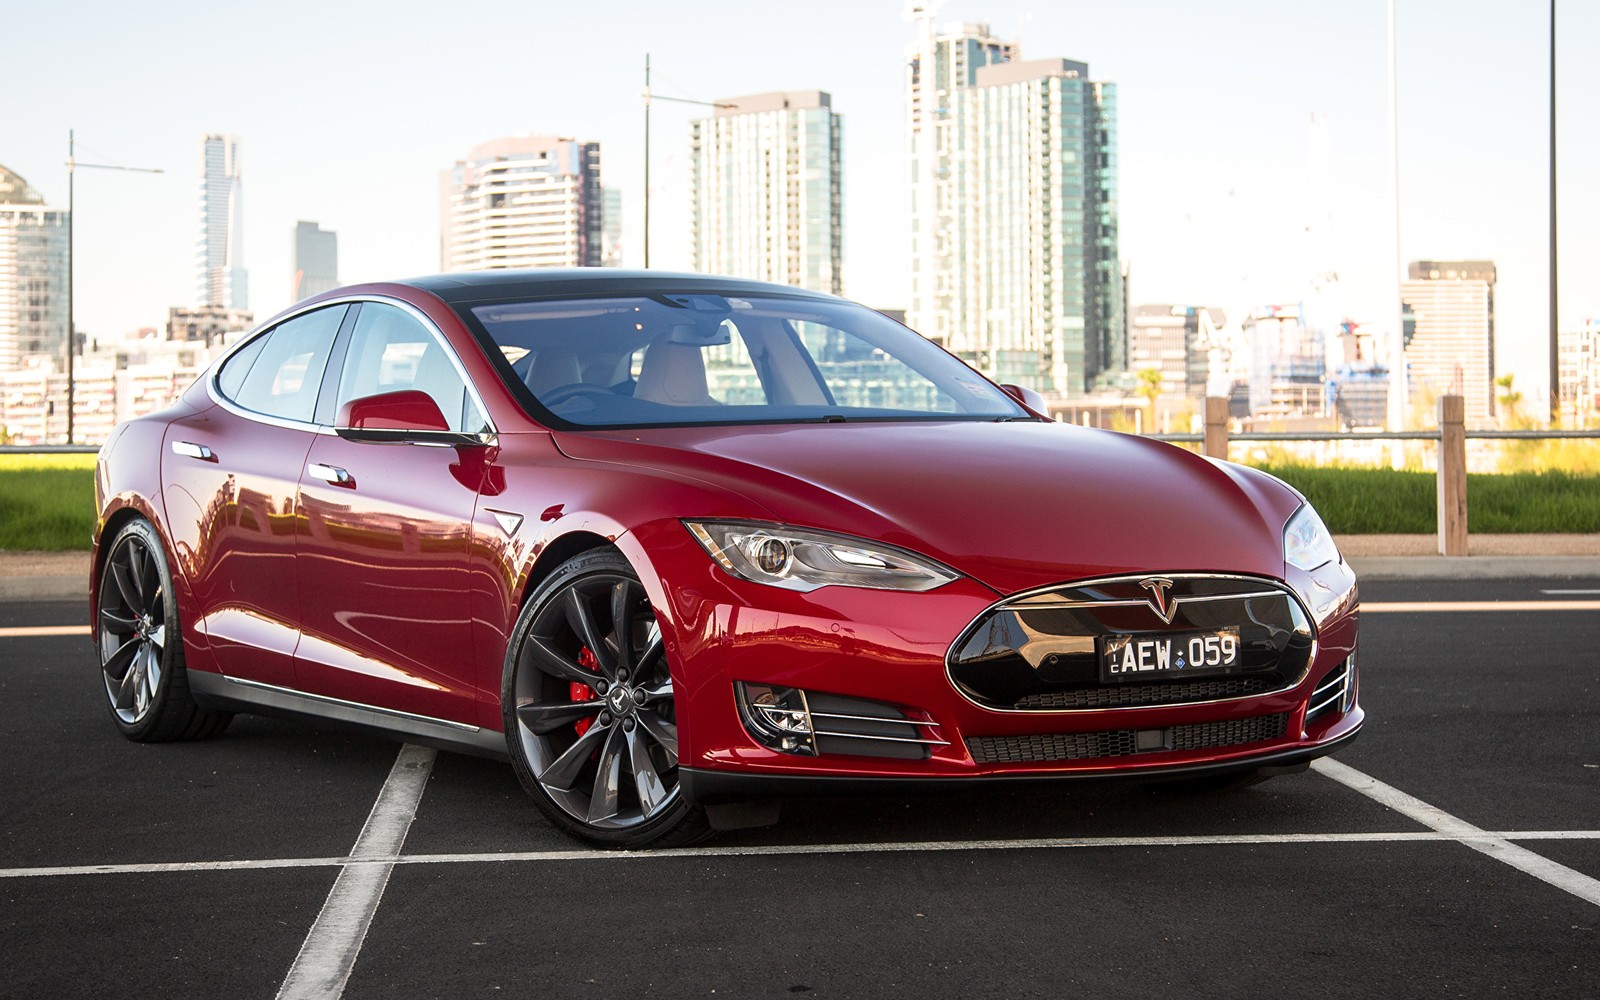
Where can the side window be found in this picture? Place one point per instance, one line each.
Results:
(238, 366)
(287, 371)
(390, 351)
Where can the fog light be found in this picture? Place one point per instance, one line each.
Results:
(778, 717)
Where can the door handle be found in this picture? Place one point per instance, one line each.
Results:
(330, 474)
(189, 449)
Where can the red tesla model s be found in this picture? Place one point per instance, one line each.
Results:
(677, 545)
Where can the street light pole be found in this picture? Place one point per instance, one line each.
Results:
(72, 330)
(648, 97)
(1555, 327)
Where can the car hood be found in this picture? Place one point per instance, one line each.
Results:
(1013, 505)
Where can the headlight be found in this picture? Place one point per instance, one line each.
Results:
(795, 559)
(1307, 543)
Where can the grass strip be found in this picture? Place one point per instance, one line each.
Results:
(46, 502)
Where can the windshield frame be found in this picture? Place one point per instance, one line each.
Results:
(465, 310)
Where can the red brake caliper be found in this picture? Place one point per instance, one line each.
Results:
(583, 692)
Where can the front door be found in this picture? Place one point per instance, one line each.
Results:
(382, 553)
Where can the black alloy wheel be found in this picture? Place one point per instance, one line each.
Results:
(141, 649)
(589, 711)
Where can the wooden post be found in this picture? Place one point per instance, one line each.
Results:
(1216, 444)
(1452, 476)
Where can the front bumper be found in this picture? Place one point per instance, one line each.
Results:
(890, 648)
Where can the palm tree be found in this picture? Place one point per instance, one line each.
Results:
(1150, 387)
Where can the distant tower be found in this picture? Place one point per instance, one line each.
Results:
(222, 277)
(33, 274)
(766, 181)
(525, 201)
(316, 260)
(1014, 246)
(1450, 332)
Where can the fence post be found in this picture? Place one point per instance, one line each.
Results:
(1452, 476)
(1216, 443)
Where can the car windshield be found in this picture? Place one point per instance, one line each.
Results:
(672, 359)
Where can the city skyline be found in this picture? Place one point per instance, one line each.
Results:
(1214, 144)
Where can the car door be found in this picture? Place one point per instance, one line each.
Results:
(231, 475)
(382, 553)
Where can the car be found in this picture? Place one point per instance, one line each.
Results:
(681, 547)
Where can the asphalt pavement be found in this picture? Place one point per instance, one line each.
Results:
(210, 869)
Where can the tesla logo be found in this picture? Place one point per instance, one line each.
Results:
(1160, 600)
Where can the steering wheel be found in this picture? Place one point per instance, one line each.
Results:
(572, 390)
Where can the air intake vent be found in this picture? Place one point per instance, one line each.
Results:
(1123, 742)
(1331, 693)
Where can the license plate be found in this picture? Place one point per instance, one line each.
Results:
(1149, 656)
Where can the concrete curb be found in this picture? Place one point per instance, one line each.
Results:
(1474, 567)
(45, 588)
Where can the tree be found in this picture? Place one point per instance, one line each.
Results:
(1510, 400)
(1149, 387)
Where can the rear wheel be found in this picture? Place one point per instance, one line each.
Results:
(141, 650)
(590, 716)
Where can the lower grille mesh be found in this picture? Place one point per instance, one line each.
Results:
(1121, 742)
(1175, 693)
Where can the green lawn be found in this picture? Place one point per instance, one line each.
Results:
(47, 501)
(1382, 501)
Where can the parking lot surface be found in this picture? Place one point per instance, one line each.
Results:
(1454, 850)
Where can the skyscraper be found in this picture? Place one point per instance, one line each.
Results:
(765, 175)
(1450, 336)
(524, 201)
(1014, 210)
(316, 260)
(33, 274)
(220, 253)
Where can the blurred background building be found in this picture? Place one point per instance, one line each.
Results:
(1450, 333)
(1579, 372)
(316, 260)
(766, 188)
(33, 274)
(1014, 247)
(523, 201)
(223, 280)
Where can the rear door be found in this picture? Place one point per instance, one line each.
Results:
(231, 478)
(383, 543)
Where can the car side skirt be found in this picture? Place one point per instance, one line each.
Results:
(233, 694)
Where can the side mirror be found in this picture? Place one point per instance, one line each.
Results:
(406, 415)
(1029, 398)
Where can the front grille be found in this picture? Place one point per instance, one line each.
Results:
(1124, 742)
(1040, 651)
(1176, 693)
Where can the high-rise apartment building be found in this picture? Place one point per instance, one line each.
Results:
(316, 260)
(611, 227)
(1014, 246)
(1175, 340)
(1450, 332)
(766, 182)
(524, 201)
(33, 274)
(223, 280)
(1578, 369)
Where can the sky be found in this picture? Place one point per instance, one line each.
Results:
(347, 112)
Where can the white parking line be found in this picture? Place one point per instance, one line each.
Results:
(770, 850)
(334, 942)
(35, 631)
(1569, 591)
(1434, 818)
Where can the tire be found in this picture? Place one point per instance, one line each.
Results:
(140, 645)
(590, 719)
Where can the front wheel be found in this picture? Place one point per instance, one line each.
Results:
(590, 717)
(141, 650)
